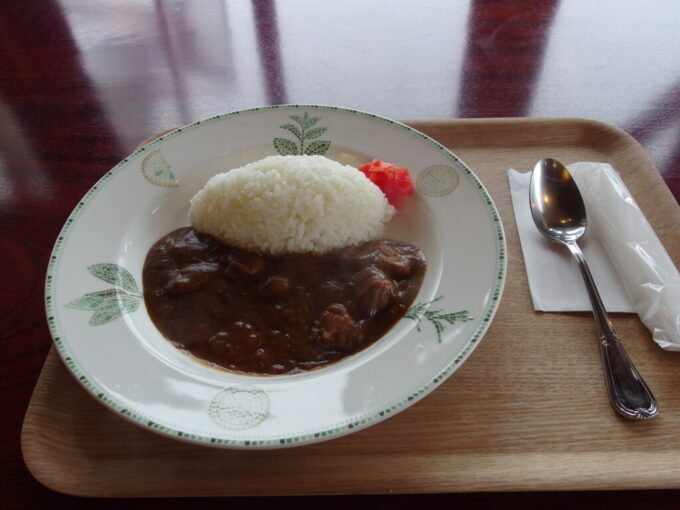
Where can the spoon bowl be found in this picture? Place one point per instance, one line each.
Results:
(559, 213)
(556, 203)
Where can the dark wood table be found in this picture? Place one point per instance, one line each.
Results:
(83, 82)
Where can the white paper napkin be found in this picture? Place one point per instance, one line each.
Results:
(630, 266)
(554, 279)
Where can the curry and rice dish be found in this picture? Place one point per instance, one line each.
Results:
(283, 269)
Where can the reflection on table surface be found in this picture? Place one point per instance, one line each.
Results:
(82, 83)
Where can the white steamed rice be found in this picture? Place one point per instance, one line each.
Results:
(291, 204)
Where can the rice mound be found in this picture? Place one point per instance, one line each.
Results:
(291, 204)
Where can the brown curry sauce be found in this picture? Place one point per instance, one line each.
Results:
(277, 314)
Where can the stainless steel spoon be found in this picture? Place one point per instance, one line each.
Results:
(559, 213)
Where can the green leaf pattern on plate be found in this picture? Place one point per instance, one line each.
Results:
(285, 147)
(318, 147)
(439, 319)
(303, 131)
(115, 275)
(315, 133)
(294, 130)
(109, 304)
(92, 300)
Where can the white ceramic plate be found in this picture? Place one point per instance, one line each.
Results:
(99, 323)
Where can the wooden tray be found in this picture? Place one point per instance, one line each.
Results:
(527, 411)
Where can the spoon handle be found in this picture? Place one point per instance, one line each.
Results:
(628, 392)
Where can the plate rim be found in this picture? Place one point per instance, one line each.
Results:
(101, 393)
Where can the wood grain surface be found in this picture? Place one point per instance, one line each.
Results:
(527, 411)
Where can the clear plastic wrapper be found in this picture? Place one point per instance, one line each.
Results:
(650, 278)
